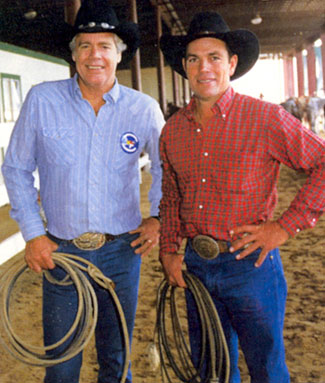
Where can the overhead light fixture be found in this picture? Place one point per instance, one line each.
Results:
(318, 43)
(30, 14)
(257, 19)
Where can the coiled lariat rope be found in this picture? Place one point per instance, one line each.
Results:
(213, 339)
(85, 321)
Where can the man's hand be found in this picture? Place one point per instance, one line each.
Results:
(172, 265)
(266, 236)
(149, 236)
(38, 253)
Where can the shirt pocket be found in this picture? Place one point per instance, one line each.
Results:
(124, 162)
(238, 172)
(59, 145)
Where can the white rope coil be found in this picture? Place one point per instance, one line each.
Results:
(85, 321)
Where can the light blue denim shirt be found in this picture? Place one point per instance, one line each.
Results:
(88, 164)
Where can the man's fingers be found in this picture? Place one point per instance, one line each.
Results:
(138, 230)
(33, 266)
(177, 281)
(144, 252)
(144, 242)
(250, 249)
(39, 265)
(146, 247)
(136, 242)
(38, 254)
(181, 283)
(241, 243)
(261, 258)
(44, 261)
(244, 229)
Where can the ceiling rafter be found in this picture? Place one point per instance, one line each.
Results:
(286, 24)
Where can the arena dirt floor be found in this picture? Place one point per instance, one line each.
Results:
(303, 259)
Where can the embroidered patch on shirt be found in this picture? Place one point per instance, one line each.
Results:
(129, 142)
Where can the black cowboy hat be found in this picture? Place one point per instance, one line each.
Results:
(98, 16)
(241, 42)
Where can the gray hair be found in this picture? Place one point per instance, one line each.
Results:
(120, 46)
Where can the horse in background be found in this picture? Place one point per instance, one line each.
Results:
(308, 109)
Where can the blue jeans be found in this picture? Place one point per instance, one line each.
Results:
(251, 305)
(117, 261)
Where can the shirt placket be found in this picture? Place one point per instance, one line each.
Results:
(94, 179)
(201, 138)
(207, 163)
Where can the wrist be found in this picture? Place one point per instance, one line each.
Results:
(36, 238)
(157, 217)
(170, 255)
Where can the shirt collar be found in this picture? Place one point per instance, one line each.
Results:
(221, 106)
(111, 95)
(224, 103)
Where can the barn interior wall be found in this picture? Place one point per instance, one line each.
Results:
(149, 81)
(31, 70)
(266, 79)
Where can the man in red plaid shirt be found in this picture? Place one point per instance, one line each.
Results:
(221, 158)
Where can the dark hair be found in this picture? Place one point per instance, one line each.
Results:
(230, 52)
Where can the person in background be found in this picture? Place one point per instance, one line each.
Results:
(85, 136)
(221, 158)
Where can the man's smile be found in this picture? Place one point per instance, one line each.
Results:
(205, 81)
(94, 66)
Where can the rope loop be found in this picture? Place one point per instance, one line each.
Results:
(85, 321)
(173, 349)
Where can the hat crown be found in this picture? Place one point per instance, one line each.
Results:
(96, 11)
(207, 22)
(240, 42)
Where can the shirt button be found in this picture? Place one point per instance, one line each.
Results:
(206, 154)
(198, 130)
(204, 180)
(297, 230)
(200, 206)
(223, 116)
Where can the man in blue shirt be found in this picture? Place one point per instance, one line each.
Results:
(85, 136)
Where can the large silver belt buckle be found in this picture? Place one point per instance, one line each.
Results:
(89, 241)
(206, 247)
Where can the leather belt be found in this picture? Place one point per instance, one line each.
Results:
(209, 248)
(89, 241)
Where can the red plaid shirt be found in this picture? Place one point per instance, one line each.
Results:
(224, 175)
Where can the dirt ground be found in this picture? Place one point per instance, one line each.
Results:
(304, 262)
(8, 226)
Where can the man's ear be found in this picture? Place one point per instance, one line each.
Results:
(233, 64)
(73, 57)
(119, 59)
(184, 64)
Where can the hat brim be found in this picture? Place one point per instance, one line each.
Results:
(128, 32)
(241, 42)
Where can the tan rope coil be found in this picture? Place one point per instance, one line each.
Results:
(86, 317)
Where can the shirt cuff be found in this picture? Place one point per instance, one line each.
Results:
(293, 222)
(168, 249)
(31, 231)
